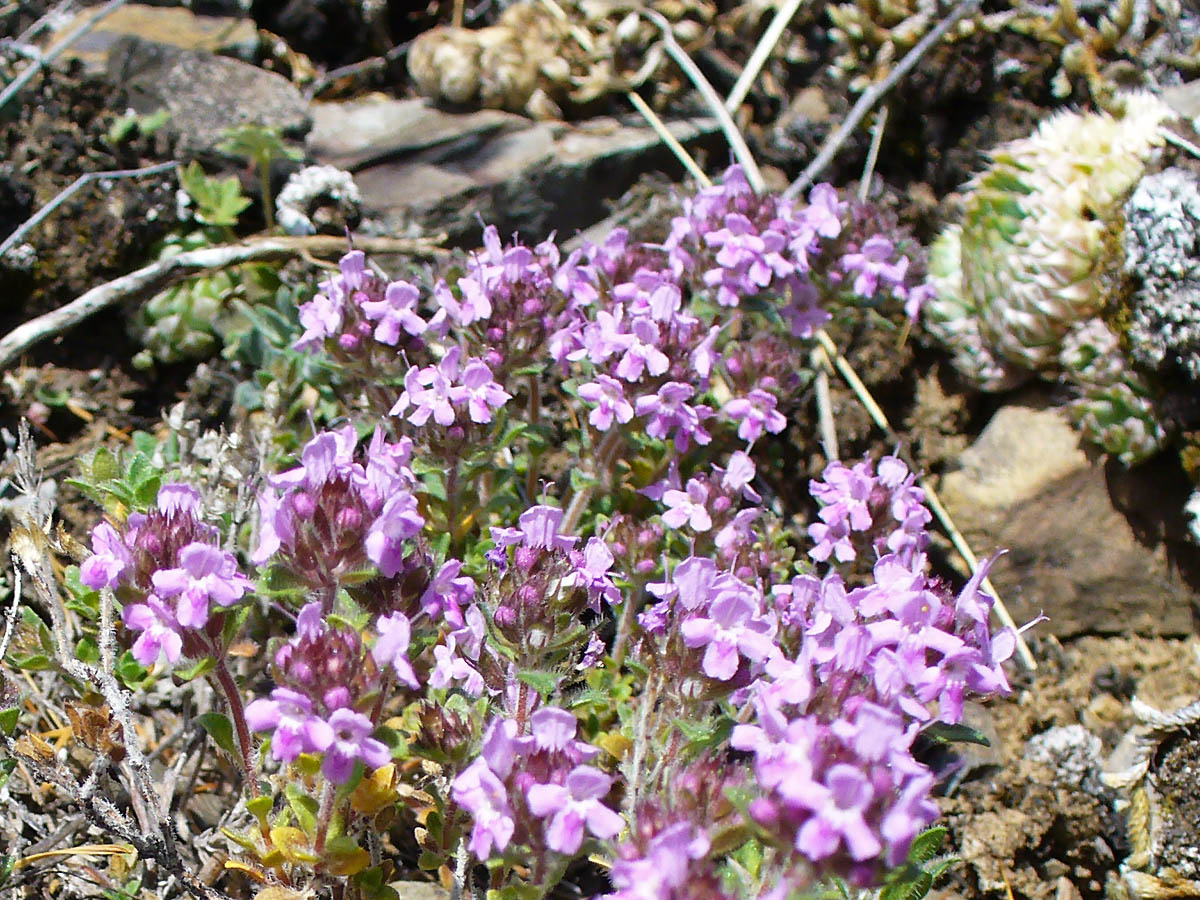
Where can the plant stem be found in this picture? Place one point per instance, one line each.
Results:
(324, 816)
(264, 175)
(625, 625)
(237, 714)
(604, 459)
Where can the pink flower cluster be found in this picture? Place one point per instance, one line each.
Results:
(334, 513)
(168, 570)
(535, 788)
(881, 504)
(324, 676)
(356, 304)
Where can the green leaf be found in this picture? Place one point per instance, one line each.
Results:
(105, 466)
(303, 806)
(146, 493)
(926, 845)
(260, 807)
(429, 862)
(257, 143)
(8, 720)
(542, 682)
(130, 671)
(945, 733)
(219, 201)
(196, 669)
(34, 662)
(87, 651)
(6, 867)
(220, 729)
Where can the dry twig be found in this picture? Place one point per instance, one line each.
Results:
(737, 143)
(66, 193)
(36, 66)
(761, 53)
(159, 275)
(872, 95)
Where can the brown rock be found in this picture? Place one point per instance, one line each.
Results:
(1025, 486)
(168, 26)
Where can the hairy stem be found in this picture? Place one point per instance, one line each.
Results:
(605, 455)
(237, 714)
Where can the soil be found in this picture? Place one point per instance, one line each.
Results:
(1023, 827)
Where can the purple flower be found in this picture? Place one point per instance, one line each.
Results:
(322, 318)
(481, 793)
(755, 412)
(397, 522)
(538, 530)
(391, 649)
(605, 336)
(688, 507)
(669, 412)
(205, 573)
(665, 866)
(591, 573)
(178, 499)
(397, 310)
(838, 817)
(447, 593)
(160, 635)
(734, 627)
(739, 531)
(481, 393)
(704, 357)
(430, 392)
(738, 475)
(352, 742)
(642, 353)
(609, 396)
(109, 561)
(499, 747)
(450, 667)
(573, 806)
(289, 714)
(873, 268)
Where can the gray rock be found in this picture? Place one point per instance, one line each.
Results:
(418, 166)
(1162, 255)
(205, 94)
(1026, 487)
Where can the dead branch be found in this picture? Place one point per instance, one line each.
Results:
(872, 95)
(153, 278)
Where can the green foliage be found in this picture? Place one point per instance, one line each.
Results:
(924, 867)
(299, 387)
(220, 729)
(120, 483)
(124, 127)
(193, 319)
(219, 201)
(261, 146)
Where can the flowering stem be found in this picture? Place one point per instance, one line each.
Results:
(237, 714)
(522, 696)
(604, 458)
(324, 816)
(625, 625)
(535, 411)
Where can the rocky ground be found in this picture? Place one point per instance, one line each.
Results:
(1101, 549)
